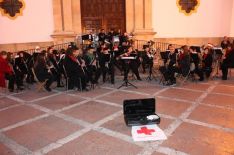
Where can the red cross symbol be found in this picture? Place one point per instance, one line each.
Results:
(146, 131)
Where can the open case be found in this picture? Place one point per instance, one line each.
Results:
(140, 112)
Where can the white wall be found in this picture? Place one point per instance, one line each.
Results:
(232, 22)
(36, 24)
(213, 19)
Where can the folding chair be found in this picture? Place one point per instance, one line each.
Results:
(40, 84)
(190, 74)
(68, 79)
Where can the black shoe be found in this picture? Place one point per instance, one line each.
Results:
(224, 78)
(60, 86)
(201, 79)
(48, 89)
(20, 88)
(11, 90)
(169, 83)
(139, 79)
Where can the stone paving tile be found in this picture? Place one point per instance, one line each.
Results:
(5, 151)
(224, 89)
(219, 100)
(91, 111)
(17, 114)
(42, 132)
(94, 143)
(6, 102)
(147, 88)
(156, 153)
(199, 140)
(196, 86)
(32, 95)
(171, 107)
(212, 115)
(181, 94)
(119, 97)
(93, 93)
(59, 101)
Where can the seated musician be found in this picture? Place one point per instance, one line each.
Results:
(18, 73)
(196, 59)
(74, 69)
(168, 69)
(178, 63)
(131, 64)
(148, 59)
(228, 61)
(6, 72)
(52, 62)
(207, 61)
(43, 72)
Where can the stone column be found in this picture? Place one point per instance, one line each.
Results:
(63, 21)
(139, 18)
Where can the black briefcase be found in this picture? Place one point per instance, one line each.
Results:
(140, 112)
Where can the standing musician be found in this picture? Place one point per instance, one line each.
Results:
(227, 61)
(74, 69)
(43, 71)
(131, 64)
(52, 63)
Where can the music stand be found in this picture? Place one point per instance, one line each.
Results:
(126, 83)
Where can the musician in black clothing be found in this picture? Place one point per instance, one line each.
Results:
(207, 61)
(228, 62)
(110, 35)
(170, 66)
(225, 43)
(148, 59)
(106, 64)
(195, 59)
(43, 72)
(52, 63)
(131, 64)
(74, 69)
(20, 67)
(102, 36)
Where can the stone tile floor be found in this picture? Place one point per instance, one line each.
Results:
(198, 119)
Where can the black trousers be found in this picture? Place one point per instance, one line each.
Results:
(56, 75)
(130, 66)
(169, 73)
(224, 68)
(11, 79)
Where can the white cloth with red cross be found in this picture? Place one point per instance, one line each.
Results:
(147, 133)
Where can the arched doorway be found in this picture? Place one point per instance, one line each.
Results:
(106, 14)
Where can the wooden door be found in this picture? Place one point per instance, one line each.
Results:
(107, 14)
